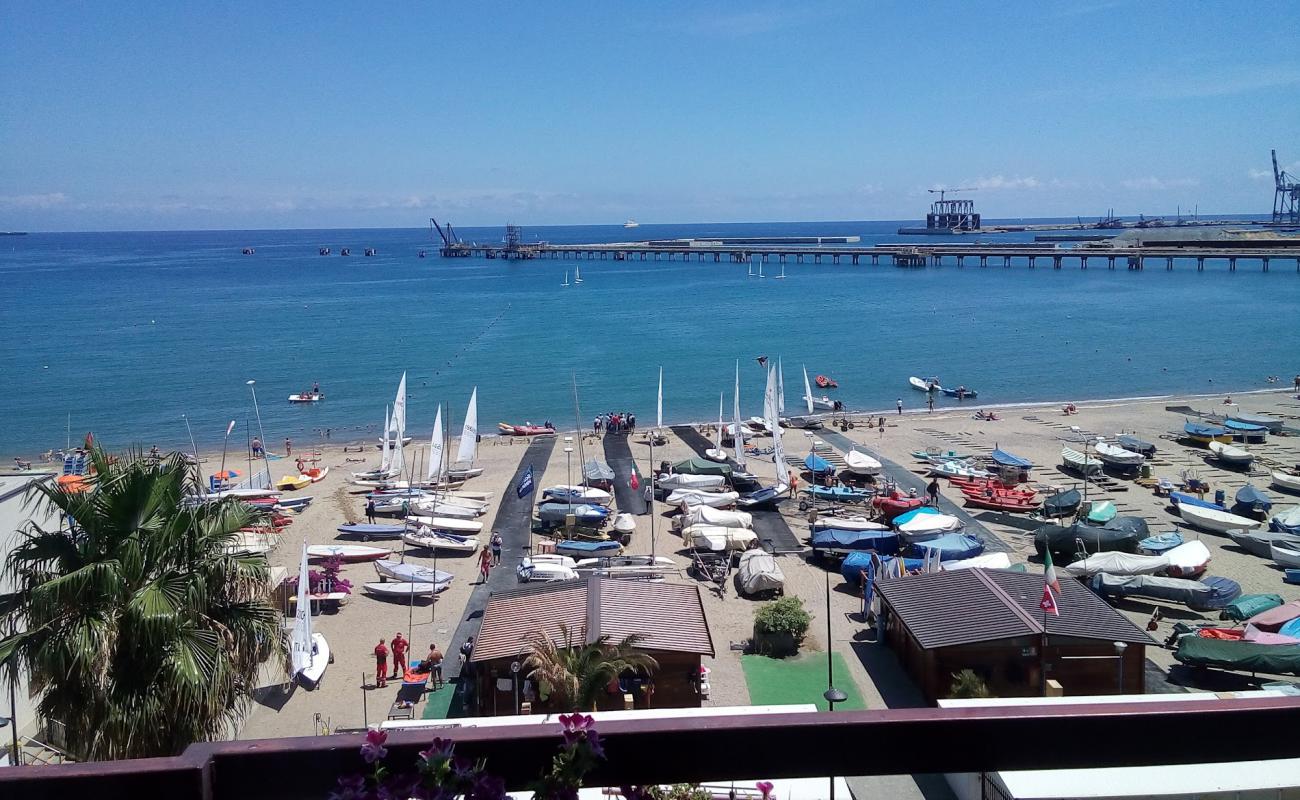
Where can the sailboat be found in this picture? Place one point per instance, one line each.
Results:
(468, 452)
(309, 652)
(824, 403)
(577, 274)
(716, 453)
(780, 387)
(566, 278)
(735, 415)
(385, 470)
(436, 446)
(751, 269)
(771, 415)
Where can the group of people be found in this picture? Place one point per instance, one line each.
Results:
(399, 647)
(490, 556)
(614, 422)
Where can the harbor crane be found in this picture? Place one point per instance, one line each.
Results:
(942, 192)
(1286, 196)
(952, 215)
(452, 246)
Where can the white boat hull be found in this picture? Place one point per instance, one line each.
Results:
(404, 590)
(1284, 556)
(448, 524)
(1211, 519)
(347, 552)
(1288, 482)
(1234, 456)
(433, 541)
(309, 677)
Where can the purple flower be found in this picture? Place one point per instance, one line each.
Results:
(462, 768)
(398, 787)
(437, 752)
(373, 750)
(765, 787)
(488, 787)
(577, 723)
(595, 744)
(350, 787)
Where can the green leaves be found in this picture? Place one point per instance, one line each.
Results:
(578, 672)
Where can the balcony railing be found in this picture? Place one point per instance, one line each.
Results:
(686, 749)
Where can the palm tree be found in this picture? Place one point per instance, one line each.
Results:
(140, 631)
(576, 672)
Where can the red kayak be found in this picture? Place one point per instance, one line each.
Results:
(895, 504)
(1005, 494)
(506, 429)
(1011, 504)
(997, 487)
(824, 382)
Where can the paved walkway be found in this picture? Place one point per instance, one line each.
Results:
(619, 457)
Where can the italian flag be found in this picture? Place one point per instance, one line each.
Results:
(1049, 572)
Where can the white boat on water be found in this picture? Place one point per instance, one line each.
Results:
(388, 569)
(309, 653)
(446, 524)
(1231, 455)
(631, 224)
(1287, 481)
(1117, 456)
(928, 385)
(440, 540)
(859, 463)
(1214, 520)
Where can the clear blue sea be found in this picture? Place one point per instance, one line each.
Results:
(127, 332)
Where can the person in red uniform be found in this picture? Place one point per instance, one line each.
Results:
(400, 646)
(381, 665)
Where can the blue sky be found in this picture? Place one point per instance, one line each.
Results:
(163, 115)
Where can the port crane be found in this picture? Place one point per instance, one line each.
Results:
(942, 192)
(951, 215)
(1286, 196)
(452, 246)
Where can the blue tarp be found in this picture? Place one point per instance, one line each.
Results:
(1161, 542)
(1246, 427)
(952, 547)
(1251, 499)
(883, 542)
(1008, 460)
(1199, 429)
(1178, 498)
(818, 465)
(910, 515)
(853, 565)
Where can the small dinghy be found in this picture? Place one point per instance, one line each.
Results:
(928, 385)
(546, 569)
(1079, 462)
(1201, 433)
(309, 653)
(715, 454)
(291, 483)
(761, 498)
(440, 540)
(347, 552)
(411, 573)
(961, 393)
(368, 532)
(839, 494)
(1284, 556)
(316, 474)
(958, 469)
(692, 498)
(577, 494)
(403, 591)
(1286, 481)
(859, 463)
(1274, 424)
(447, 524)
(1209, 519)
(759, 574)
(1257, 543)
(1251, 501)
(1117, 457)
(1188, 560)
(1287, 521)
(1062, 504)
(951, 547)
(1232, 456)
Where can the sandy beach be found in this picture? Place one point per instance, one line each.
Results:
(1035, 432)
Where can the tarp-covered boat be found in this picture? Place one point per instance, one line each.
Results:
(706, 515)
(597, 471)
(758, 573)
(923, 527)
(1188, 560)
(699, 465)
(686, 480)
(818, 465)
(1257, 543)
(1101, 511)
(1242, 656)
(1118, 457)
(1006, 459)
(1249, 605)
(835, 541)
(951, 547)
(1121, 534)
(1274, 424)
(1251, 501)
(1160, 543)
(986, 561)
(1136, 445)
(1118, 564)
(1177, 499)
(856, 523)
(1209, 594)
(581, 548)
(859, 463)
(840, 494)
(1204, 434)
(717, 539)
(760, 498)
(691, 498)
(585, 513)
(577, 494)
(1287, 521)
(1062, 504)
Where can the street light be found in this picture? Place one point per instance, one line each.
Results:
(831, 694)
(1120, 647)
(568, 471)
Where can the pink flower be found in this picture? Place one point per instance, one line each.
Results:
(577, 723)
(438, 752)
(373, 750)
(766, 788)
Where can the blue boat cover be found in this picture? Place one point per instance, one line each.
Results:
(841, 493)
(373, 530)
(818, 465)
(1281, 524)
(1200, 429)
(883, 542)
(1161, 542)
(1244, 427)
(580, 546)
(951, 547)
(911, 515)
(1291, 628)
(1253, 499)
(1178, 498)
(853, 565)
(1135, 445)
(1008, 460)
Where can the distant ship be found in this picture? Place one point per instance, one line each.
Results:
(24, 233)
(631, 224)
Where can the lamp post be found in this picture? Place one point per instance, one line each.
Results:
(260, 432)
(1120, 647)
(568, 469)
(831, 694)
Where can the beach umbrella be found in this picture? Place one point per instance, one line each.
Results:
(226, 474)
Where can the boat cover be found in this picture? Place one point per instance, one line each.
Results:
(595, 470)
(1286, 522)
(1188, 558)
(1062, 504)
(853, 565)
(712, 537)
(1136, 445)
(585, 548)
(861, 463)
(1249, 499)
(373, 531)
(1273, 619)
(986, 561)
(1178, 499)
(1258, 543)
(1204, 595)
(769, 494)
(914, 513)
(818, 465)
(555, 512)
(759, 572)
(684, 480)
(699, 465)
(694, 498)
(1101, 511)
(1200, 429)
(922, 525)
(1244, 656)
(705, 515)
(1117, 564)
(883, 542)
(1248, 605)
(952, 547)
(1160, 543)
(1121, 534)
(1008, 460)
(1244, 427)
(841, 494)
(413, 573)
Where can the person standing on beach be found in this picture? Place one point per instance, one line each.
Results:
(381, 665)
(288, 447)
(933, 491)
(496, 548)
(929, 401)
(257, 447)
(400, 646)
(900, 405)
(370, 511)
(433, 663)
(484, 565)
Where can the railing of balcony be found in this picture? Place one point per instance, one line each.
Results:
(692, 749)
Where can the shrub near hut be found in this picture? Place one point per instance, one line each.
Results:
(779, 627)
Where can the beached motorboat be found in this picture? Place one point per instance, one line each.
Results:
(917, 527)
(841, 542)
(927, 385)
(446, 524)
(1000, 502)
(1251, 501)
(1188, 560)
(1216, 521)
(1180, 499)
(1062, 504)
(291, 483)
(564, 493)
(818, 465)
(682, 480)
(582, 548)
(1136, 445)
(1232, 456)
(1287, 521)
(403, 590)
(859, 463)
(1209, 594)
(1283, 555)
(951, 547)
(347, 552)
(1204, 434)
(1101, 511)
(506, 429)
(706, 515)
(389, 569)
(855, 523)
(440, 540)
(717, 539)
(758, 573)
(584, 513)
(1257, 543)
(690, 497)
(309, 653)
(1245, 431)
(958, 469)
(1079, 462)
(1115, 456)
(1115, 563)
(1004, 459)
(1069, 542)
(1274, 424)
(546, 569)
(1286, 481)
(368, 531)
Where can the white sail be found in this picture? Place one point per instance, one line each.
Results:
(435, 448)
(659, 409)
(399, 425)
(807, 391)
(770, 408)
(387, 461)
(718, 443)
(469, 433)
(735, 412)
(577, 273)
(780, 387)
(300, 636)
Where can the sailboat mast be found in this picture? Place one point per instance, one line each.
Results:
(577, 420)
(735, 412)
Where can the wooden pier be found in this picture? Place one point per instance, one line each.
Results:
(1264, 252)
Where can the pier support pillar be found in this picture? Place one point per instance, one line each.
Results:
(875, 259)
(1200, 263)
(1032, 259)
(1232, 265)
(1083, 261)
(855, 260)
(984, 261)
(1110, 262)
(1006, 261)
(1056, 262)
(961, 261)
(799, 259)
(1266, 265)
(1169, 264)
(783, 258)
